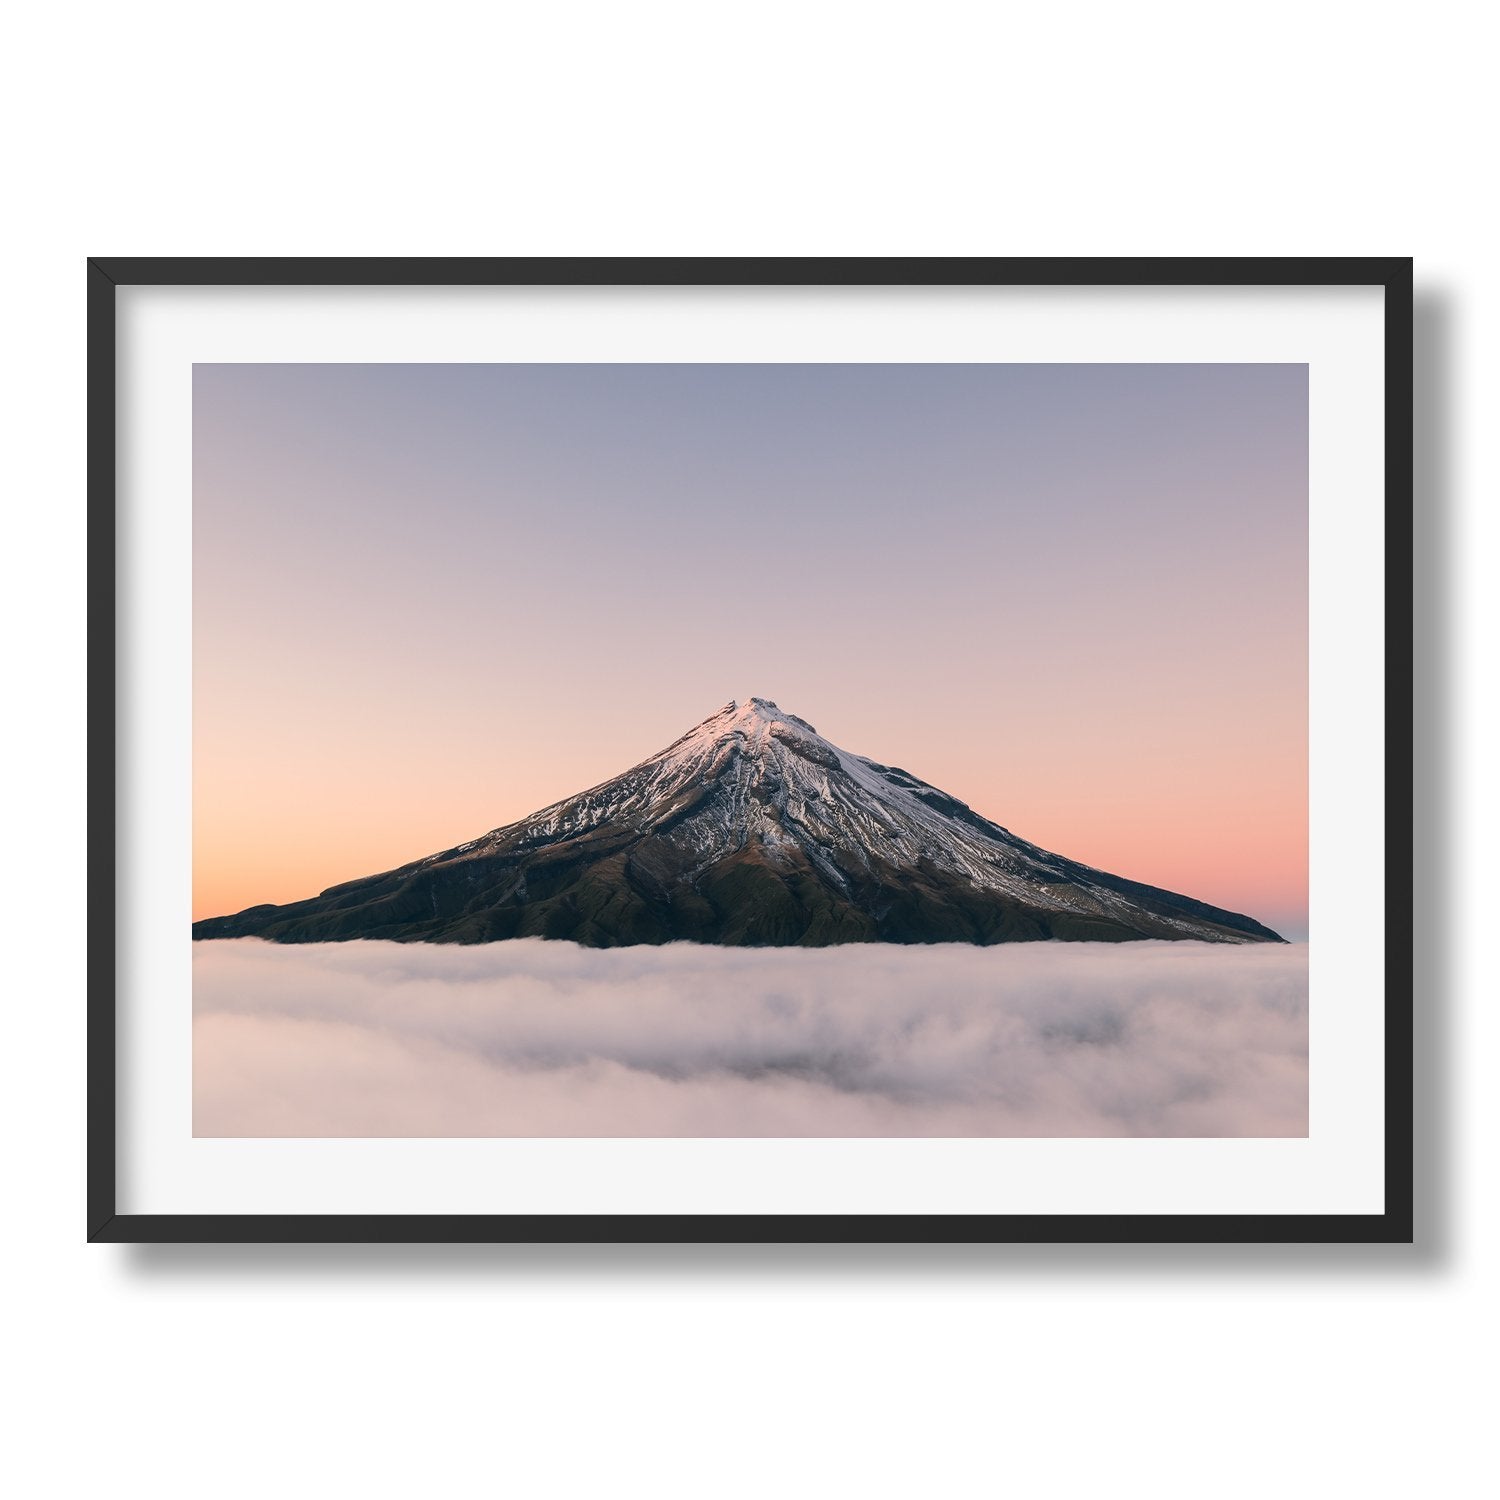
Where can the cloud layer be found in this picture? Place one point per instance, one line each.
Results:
(532, 1038)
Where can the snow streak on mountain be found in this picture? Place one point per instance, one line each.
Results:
(750, 829)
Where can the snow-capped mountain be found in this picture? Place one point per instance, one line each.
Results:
(749, 829)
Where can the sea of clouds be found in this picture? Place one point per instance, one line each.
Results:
(533, 1038)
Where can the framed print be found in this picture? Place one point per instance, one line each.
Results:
(714, 750)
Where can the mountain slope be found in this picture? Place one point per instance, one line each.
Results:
(749, 829)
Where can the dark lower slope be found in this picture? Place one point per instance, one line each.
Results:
(615, 887)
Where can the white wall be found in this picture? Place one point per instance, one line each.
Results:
(792, 128)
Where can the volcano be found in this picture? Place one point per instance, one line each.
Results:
(751, 829)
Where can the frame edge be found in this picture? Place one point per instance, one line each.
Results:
(99, 923)
(1394, 1226)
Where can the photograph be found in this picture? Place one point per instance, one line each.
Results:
(750, 750)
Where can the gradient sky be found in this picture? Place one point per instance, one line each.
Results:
(430, 599)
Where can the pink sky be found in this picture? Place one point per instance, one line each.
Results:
(432, 599)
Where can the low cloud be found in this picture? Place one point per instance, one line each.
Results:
(531, 1038)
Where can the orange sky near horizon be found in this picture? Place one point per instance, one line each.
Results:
(430, 600)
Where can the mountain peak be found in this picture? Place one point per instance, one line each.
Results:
(756, 710)
(749, 707)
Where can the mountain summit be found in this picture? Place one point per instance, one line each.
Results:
(750, 829)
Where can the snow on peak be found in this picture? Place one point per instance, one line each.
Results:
(750, 726)
(754, 710)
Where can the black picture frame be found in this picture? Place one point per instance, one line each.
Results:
(1393, 1225)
